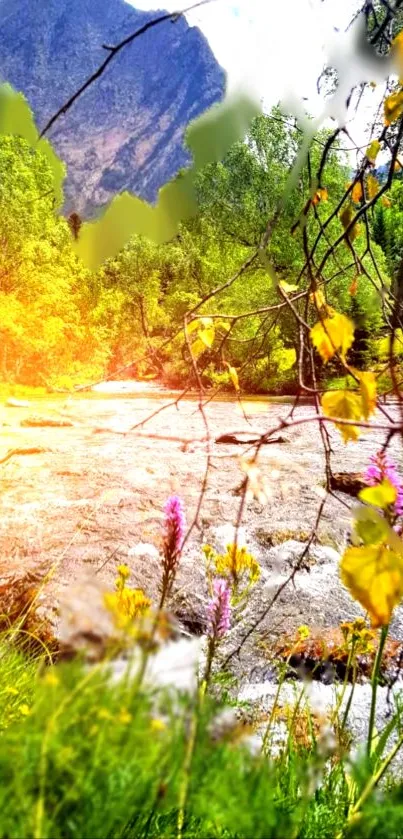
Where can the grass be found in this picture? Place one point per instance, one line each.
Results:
(83, 756)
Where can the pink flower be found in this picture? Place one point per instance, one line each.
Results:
(175, 525)
(174, 534)
(219, 610)
(381, 469)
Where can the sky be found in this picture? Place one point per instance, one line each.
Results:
(277, 48)
(272, 45)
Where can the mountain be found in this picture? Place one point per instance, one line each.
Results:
(127, 130)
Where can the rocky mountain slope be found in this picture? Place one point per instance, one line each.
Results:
(127, 130)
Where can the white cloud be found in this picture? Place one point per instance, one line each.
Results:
(276, 47)
(273, 46)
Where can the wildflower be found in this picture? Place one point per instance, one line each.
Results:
(126, 604)
(157, 725)
(51, 679)
(219, 610)
(303, 632)
(104, 714)
(174, 527)
(381, 469)
(24, 709)
(124, 717)
(239, 565)
(123, 575)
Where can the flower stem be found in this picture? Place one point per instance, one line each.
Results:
(187, 765)
(374, 684)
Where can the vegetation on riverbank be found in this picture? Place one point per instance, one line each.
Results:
(63, 325)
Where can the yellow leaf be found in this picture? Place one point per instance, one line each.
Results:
(385, 201)
(371, 528)
(192, 326)
(372, 187)
(342, 404)
(346, 217)
(393, 107)
(368, 392)
(374, 576)
(397, 52)
(233, 376)
(382, 495)
(373, 150)
(198, 347)
(333, 334)
(356, 193)
(318, 299)
(287, 287)
(207, 336)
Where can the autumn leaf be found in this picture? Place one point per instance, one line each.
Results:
(372, 187)
(207, 336)
(343, 404)
(371, 527)
(368, 392)
(393, 107)
(354, 286)
(382, 495)
(234, 377)
(397, 52)
(318, 299)
(198, 347)
(346, 217)
(373, 151)
(321, 194)
(333, 334)
(356, 193)
(288, 287)
(386, 202)
(374, 576)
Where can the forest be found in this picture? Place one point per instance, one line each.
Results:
(63, 325)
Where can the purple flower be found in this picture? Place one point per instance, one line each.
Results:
(174, 533)
(381, 469)
(175, 525)
(219, 610)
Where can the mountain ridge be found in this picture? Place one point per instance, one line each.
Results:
(126, 132)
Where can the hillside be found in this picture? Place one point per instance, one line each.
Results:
(126, 132)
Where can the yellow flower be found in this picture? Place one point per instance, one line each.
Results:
(303, 632)
(24, 709)
(239, 565)
(11, 690)
(104, 714)
(126, 605)
(157, 724)
(51, 679)
(125, 717)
